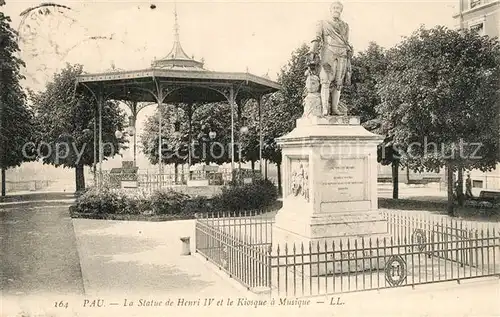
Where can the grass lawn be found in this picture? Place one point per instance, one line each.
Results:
(435, 207)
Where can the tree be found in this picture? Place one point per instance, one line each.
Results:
(368, 70)
(284, 107)
(65, 120)
(215, 117)
(205, 118)
(16, 119)
(170, 144)
(387, 153)
(441, 101)
(362, 98)
(250, 141)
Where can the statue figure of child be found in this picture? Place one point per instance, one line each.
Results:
(312, 100)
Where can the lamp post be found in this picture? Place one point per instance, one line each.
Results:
(177, 135)
(177, 129)
(131, 132)
(88, 131)
(205, 137)
(243, 131)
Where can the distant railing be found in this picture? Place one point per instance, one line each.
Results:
(417, 250)
(32, 185)
(151, 181)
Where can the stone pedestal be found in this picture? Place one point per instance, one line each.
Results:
(330, 193)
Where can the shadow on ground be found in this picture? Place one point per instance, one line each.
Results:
(30, 205)
(141, 278)
(36, 197)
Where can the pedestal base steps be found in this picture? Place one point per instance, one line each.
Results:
(329, 255)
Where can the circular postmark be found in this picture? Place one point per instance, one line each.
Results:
(395, 271)
(419, 239)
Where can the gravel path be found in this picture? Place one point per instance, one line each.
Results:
(38, 253)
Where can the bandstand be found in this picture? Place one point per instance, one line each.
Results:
(174, 79)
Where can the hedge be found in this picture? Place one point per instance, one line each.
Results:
(102, 204)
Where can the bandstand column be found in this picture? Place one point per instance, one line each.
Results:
(190, 137)
(239, 105)
(259, 103)
(133, 123)
(135, 141)
(100, 102)
(94, 165)
(231, 103)
(160, 156)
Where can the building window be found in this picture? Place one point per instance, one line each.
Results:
(477, 184)
(478, 28)
(475, 3)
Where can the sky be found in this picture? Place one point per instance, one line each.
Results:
(229, 35)
(236, 35)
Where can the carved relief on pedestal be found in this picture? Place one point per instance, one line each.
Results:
(299, 179)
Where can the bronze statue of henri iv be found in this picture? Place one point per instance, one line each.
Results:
(330, 60)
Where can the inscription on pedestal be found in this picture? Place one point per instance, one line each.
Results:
(344, 180)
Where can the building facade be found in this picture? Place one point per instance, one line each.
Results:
(482, 16)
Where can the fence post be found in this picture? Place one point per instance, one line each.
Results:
(488, 248)
(278, 255)
(497, 246)
(294, 269)
(341, 252)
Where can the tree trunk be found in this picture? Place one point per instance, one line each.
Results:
(395, 179)
(279, 178)
(3, 183)
(183, 174)
(408, 174)
(79, 178)
(176, 173)
(460, 187)
(265, 169)
(450, 205)
(253, 166)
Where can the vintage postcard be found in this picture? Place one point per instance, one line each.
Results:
(220, 158)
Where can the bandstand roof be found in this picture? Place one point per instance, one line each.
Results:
(180, 85)
(180, 79)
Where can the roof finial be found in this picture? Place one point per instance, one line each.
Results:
(177, 57)
(176, 25)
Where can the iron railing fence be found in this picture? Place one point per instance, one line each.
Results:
(418, 249)
(238, 245)
(451, 233)
(319, 269)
